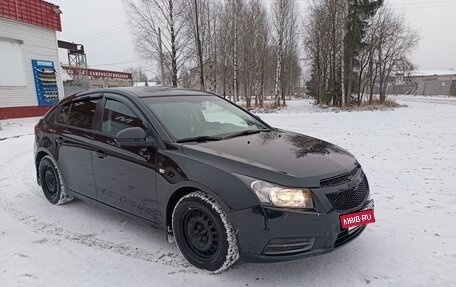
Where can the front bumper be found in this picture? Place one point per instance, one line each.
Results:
(268, 234)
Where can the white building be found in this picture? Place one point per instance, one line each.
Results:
(30, 80)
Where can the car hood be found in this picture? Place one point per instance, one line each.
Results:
(278, 156)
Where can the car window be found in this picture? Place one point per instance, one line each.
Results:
(117, 116)
(213, 112)
(64, 112)
(82, 113)
(200, 116)
(50, 116)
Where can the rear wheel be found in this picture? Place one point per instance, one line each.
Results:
(203, 233)
(51, 182)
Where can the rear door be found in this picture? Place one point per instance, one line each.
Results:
(125, 175)
(75, 133)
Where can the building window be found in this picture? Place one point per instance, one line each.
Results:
(12, 72)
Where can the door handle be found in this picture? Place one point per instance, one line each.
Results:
(100, 154)
(59, 141)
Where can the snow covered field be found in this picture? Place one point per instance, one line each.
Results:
(408, 154)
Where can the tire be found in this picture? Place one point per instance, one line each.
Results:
(203, 233)
(51, 182)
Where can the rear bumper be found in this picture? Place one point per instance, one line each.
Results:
(284, 235)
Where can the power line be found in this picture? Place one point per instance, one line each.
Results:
(104, 34)
(103, 37)
(100, 30)
(118, 63)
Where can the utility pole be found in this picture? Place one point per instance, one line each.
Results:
(161, 58)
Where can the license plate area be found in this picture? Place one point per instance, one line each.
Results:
(355, 219)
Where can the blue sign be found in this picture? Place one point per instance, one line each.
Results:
(45, 77)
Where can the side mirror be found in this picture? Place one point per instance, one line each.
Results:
(135, 136)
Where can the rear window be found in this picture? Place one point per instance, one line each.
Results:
(79, 114)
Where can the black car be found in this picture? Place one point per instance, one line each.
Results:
(218, 180)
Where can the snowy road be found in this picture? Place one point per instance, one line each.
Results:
(409, 156)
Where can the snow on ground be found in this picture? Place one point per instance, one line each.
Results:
(408, 154)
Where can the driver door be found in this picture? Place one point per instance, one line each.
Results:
(125, 177)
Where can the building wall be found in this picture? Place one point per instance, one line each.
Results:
(38, 44)
(433, 85)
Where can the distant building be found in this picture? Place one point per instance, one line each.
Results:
(93, 79)
(425, 83)
(30, 80)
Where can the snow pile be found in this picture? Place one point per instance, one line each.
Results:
(408, 154)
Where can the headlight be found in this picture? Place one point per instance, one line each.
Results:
(282, 196)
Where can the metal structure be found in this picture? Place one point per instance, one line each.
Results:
(77, 61)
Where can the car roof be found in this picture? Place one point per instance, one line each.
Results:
(154, 91)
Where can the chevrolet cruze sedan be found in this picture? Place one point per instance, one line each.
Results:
(218, 180)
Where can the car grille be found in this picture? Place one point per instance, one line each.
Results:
(346, 236)
(349, 199)
(340, 179)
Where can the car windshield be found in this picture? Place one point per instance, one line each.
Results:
(202, 118)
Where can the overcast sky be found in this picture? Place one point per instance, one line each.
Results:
(102, 27)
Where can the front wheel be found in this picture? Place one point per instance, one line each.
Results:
(203, 233)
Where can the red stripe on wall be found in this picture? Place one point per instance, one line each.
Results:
(22, 112)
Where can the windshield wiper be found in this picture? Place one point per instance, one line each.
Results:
(199, 139)
(246, 132)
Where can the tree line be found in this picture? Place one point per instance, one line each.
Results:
(244, 50)
(354, 48)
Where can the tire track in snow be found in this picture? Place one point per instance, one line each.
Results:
(15, 137)
(88, 240)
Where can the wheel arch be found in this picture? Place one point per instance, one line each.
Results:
(39, 156)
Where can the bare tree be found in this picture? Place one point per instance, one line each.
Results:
(395, 41)
(150, 17)
(137, 74)
(323, 40)
(375, 40)
(280, 11)
(221, 46)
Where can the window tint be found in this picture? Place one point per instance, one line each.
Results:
(117, 116)
(64, 112)
(82, 113)
(50, 116)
